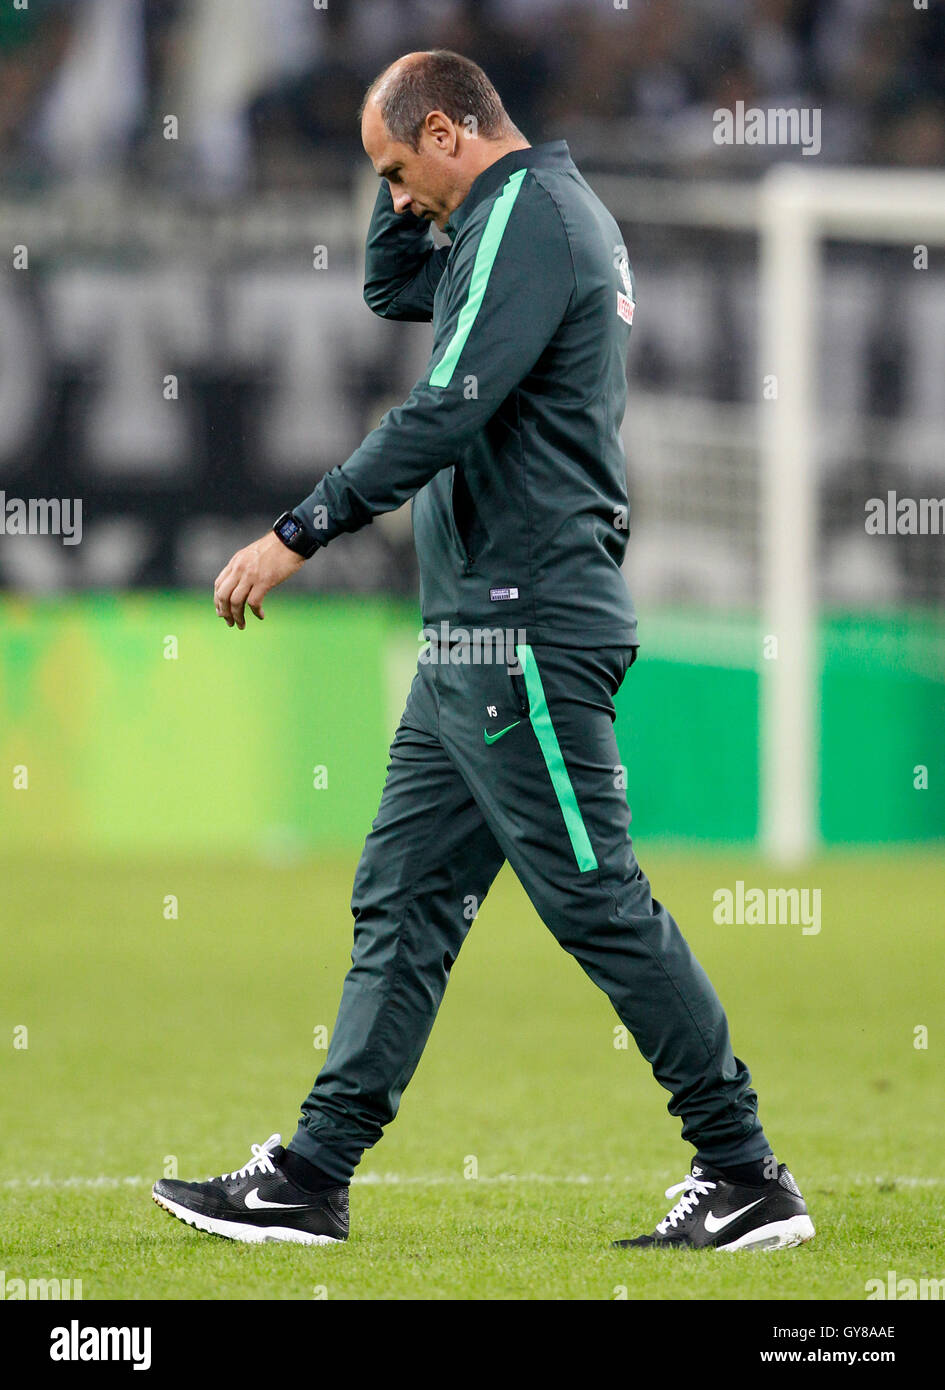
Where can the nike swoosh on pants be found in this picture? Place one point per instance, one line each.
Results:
(491, 738)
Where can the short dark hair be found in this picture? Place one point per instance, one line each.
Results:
(439, 81)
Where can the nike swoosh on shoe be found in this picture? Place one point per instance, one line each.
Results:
(718, 1223)
(257, 1203)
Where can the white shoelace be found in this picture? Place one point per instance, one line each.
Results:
(693, 1188)
(261, 1161)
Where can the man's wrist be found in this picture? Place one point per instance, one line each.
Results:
(294, 536)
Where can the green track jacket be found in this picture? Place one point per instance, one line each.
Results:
(510, 443)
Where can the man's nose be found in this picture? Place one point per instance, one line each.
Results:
(402, 202)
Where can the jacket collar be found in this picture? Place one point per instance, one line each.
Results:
(553, 155)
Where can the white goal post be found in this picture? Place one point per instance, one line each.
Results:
(798, 208)
(792, 209)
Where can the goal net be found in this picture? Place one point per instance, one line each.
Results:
(786, 427)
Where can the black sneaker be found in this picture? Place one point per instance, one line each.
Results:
(258, 1202)
(730, 1215)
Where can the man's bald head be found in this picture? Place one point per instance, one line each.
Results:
(430, 124)
(437, 80)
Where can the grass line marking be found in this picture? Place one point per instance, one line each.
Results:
(46, 1182)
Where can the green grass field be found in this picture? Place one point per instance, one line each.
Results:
(150, 1038)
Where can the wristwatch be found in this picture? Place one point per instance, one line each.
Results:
(292, 534)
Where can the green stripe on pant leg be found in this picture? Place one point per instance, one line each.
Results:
(554, 760)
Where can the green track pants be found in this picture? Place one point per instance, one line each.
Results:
(493, 763)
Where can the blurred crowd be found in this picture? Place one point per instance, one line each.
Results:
(264, 92)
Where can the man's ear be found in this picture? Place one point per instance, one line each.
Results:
(441, 131)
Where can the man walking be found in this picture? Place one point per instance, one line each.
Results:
(510, 448)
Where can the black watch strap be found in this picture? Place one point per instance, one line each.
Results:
(292, 533)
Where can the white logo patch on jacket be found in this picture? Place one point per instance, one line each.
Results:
(625, 305)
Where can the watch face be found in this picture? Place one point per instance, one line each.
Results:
(289, 530)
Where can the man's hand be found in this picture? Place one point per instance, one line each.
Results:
(250, 575)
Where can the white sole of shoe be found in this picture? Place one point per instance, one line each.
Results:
(777, 1235)
(235, 1230)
